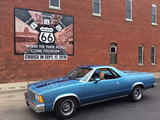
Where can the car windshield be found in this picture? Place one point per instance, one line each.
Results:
(78, 73)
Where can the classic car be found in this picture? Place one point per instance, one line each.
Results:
(86, 85)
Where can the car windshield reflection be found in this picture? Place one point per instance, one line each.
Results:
(79, 73)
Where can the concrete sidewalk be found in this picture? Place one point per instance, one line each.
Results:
(23, 85)
(156, 75)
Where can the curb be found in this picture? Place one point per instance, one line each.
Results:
(12, 91)
(157, 77)
(12, 87)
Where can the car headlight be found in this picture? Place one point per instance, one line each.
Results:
(39, 98)
(36, 97)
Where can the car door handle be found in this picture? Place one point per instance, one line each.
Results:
(117, 83)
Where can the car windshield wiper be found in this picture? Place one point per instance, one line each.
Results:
(71, 78)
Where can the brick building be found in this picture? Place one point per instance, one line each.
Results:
(121, 33)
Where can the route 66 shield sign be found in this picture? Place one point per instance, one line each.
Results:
(46, 35)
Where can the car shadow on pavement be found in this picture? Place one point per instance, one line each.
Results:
(82, 110)
(93, 108)
(107, 103)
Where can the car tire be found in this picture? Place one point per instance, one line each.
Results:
(65, 107)
(136, 94)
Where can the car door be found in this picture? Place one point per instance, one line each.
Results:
(103, 89)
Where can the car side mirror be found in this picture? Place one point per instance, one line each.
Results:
(97, 80)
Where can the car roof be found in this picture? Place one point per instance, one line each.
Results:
(96, 66)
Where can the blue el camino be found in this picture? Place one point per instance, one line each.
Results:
(86, 85)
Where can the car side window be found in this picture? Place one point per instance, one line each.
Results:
(94, 76)
(108, 74)
(114, 73)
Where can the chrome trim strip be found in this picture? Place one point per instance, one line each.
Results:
(138, 83)
(34, 106)
(94, 69)
(62, 96)
(103, 100)
(91, 73)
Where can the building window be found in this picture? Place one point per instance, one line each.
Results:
(141, 52)
(54, 4)
(154, 15)
(153, 55)
(129, 10)
(97, 7)
(113, 53)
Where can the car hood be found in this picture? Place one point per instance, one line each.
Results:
(55, 83)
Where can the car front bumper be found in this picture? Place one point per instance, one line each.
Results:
(37, 108)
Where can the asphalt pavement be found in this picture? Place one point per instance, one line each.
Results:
(13, 107)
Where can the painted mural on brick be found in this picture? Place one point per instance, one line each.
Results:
(42, 35)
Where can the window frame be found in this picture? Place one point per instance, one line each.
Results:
(113, 72)
(55, 7)
(96, 14)
(109, 70)
(115, 50)
(153, 5)
(142, 55)
(153, 46)
(113, 53)
(127, 19)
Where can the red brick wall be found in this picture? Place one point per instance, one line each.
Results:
(92, 38)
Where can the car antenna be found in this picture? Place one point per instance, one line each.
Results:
(28, 82)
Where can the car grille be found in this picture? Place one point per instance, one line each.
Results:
(31, 94)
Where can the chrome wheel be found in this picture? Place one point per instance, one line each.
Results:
(138, 93)
(67, 107)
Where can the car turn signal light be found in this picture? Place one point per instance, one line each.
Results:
(41, 100)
